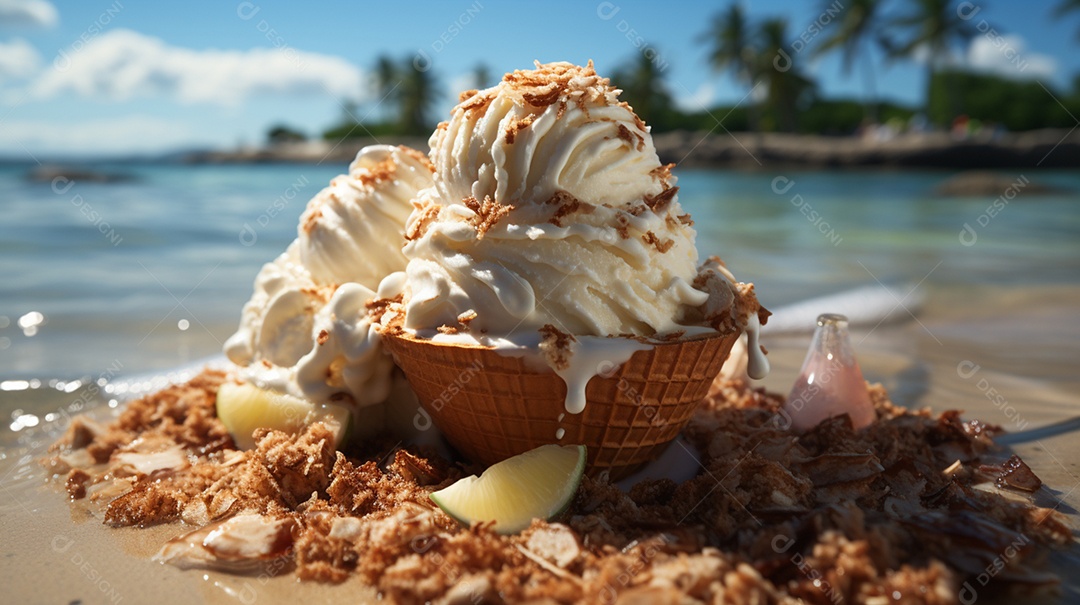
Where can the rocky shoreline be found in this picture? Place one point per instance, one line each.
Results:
(1040, 148)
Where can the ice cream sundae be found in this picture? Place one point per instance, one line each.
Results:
(531, 286)
(553, 240)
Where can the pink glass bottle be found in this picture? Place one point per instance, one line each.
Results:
(830, 383)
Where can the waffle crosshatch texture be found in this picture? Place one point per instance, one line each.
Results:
(492, 406)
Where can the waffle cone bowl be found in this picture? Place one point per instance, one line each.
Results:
(492, 406)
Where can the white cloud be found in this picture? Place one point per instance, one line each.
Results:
(921, 54)
(129, 134)
(462, 82)
(39, 13)
(1008, 56)
(1002, 55)
(18, 59)
(123, 64)
(700, 99)
(458, 83)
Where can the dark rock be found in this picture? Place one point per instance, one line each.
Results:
(978, 183)
(48, 174)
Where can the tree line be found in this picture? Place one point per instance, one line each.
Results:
(768, 61)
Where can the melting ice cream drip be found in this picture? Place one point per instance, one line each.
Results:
(757, 366)
(590, 355)
(830, 383)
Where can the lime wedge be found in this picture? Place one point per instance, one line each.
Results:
(245, 407)
(537, 484)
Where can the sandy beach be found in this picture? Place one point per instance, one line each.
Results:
(950, 358)
(990, 328)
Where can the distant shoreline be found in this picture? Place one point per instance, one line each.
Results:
(1035, 149)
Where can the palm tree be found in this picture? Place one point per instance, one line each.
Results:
(481, 76)
(643, 88)
(387, 82)
(934, 25)
(852, 31)
(777, 69)
(386, 75)
(418, 95)
(732, 48)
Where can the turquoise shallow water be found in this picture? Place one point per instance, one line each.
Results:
(117, 270)
(102, 281)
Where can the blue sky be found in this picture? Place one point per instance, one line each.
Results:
(118, 76)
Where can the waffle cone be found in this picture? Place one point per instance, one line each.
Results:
(492, 406)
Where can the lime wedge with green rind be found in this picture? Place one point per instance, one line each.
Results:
(538, 484)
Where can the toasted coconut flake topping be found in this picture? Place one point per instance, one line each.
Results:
(567, 205)
(663, 174)
(550, 82)
(661, 246)
(634, 139)
(660, 201)
(488, 213)
(420, 157)
(517, 126)
(382, 171)
(427, 213)
(883, 518)
(556, 346)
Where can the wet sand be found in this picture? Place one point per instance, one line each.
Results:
(1005, 355)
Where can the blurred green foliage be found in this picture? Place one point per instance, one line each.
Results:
(406, 93)
(761, 57)
(1015, 105)
(280, 133)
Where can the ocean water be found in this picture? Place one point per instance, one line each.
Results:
(100, 282)
(104, 280)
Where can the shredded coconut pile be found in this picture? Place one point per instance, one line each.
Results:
(886, 515)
